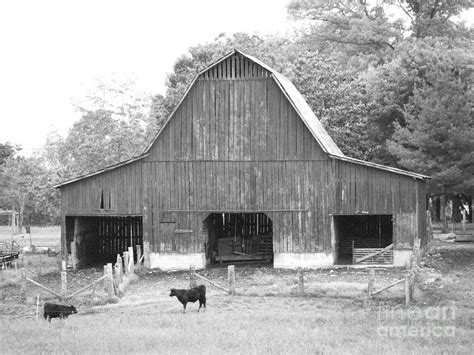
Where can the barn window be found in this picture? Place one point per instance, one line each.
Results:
(105, 202)
(102, 204)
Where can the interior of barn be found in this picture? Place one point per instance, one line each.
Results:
(99, 239)
(234, 237)
(361, 235)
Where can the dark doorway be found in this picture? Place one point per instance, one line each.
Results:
(239, 237)
(98, 240)
(361, 231)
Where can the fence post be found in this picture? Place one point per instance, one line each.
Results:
(109, 282)
(192, 277)
(146, 258)
(139, 256)
(231, 278)
(407, 290)
(37, 306)
(23, 285)
(119, 268)
(370, 286)
(74, 254)
(300, 281)
(125, 263)
(131, 260)
(63, 285)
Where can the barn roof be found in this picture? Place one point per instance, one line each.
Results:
(301, 107)
(111, 167)
(292, 94)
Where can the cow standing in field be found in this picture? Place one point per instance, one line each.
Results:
(52, 310)
(192, 295)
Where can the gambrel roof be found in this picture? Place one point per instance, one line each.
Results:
(297, 101)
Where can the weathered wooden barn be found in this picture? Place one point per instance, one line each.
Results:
(243, 169)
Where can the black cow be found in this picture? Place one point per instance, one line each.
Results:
(52, 310)
(192, 295)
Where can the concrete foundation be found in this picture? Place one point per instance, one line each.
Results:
(304, 260)
(402, 257)
(176, 261)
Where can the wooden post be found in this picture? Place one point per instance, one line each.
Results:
(119, 268)
(146, 251)
(23, 285)
(370, 286)
(125, 263)
(63, 285)
(109, 281)
(139, 255)
(192, 276)
(231, 278)
(63, 265)
(131, 261)
(74, 254)
(37, 306)
(41, 264)
(300, 281)
(407, 290)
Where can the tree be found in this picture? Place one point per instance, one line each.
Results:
(116, 123)
(434, 18)
(95, 141)
(360, 30)
(25, 185)
(437, 137)
(6, 150)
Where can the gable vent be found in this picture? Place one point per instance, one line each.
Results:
(235, 67)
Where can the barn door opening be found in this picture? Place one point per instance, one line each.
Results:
(244, 237)
(98, 240)
(358, 236)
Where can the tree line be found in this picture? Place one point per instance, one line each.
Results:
(391, 81)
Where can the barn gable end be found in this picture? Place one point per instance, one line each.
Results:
(237, 110)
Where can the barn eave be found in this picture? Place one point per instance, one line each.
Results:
(381, 167)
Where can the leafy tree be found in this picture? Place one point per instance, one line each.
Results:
(434, 18)
(7, 150)
(361, 30)
(95, 141)
(438, 135)
(26, 184)
(116, 122)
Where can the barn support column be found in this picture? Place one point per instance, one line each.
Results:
(64, 252)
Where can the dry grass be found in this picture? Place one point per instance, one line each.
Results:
(265, 325)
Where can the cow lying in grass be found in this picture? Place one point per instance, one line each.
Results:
(52, 310)
(192, 295)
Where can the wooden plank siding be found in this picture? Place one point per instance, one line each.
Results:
(120, 188)
(367, 190)
(236, 144)
(242, 147)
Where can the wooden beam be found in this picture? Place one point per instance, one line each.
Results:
(374, 254)
(386, 287)
(212, 283)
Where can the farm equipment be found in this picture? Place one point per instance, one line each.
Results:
(9, 251)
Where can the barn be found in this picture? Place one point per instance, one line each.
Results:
(243, 170)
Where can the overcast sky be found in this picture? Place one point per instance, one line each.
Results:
(52, 50)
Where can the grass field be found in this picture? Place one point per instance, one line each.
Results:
(265, 317)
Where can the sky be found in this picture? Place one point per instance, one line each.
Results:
(51, 51)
